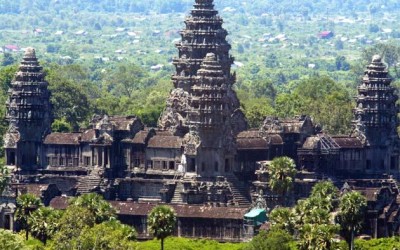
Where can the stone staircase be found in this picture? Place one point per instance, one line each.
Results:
(88, 183)
(177, 198)
(240, 193)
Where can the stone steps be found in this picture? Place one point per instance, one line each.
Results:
(177, 198)
(87, 184)
(240, 193)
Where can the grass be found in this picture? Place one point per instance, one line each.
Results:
(177, 243)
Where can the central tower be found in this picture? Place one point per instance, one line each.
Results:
(203, 34)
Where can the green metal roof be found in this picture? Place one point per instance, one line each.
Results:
(256, 216)
(254, 213)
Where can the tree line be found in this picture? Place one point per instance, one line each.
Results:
(89, 222)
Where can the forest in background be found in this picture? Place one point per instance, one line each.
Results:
(115, 57)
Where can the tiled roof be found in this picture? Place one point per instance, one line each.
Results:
(274, 139)
(251, 139)
(122, 122)
(311, 142)
(348, 142)
(249, 134)
(252, 143)
(88, 135)
(35, 189)
(165, 142)
(182, 211)
(59, 202)
(63, 138)
(140, 137)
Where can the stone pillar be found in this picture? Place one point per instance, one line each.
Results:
(179, 228)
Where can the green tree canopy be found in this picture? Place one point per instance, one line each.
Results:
(61, 126)
(125, 79)
(282, 171)
(317, 237)
(26, 204)
(283, 218)
(161, 222)
(96, 205)
(72, 223)
(276, 239)
(351, 215)
(44, 223)
(10, 241)
(109, 235)
(327, 102)
(69, 100)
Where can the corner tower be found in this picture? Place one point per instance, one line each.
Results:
(203, 34)
(376, 119)
(29, 115)
(376, 111)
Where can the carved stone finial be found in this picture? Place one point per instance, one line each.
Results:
(30, 52)
(211, 57)
(376, 59)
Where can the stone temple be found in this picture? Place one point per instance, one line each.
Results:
(202, 159)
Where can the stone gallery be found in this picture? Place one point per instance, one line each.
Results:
(202, 158)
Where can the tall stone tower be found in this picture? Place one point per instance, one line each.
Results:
(203, 34)
(376, 118)
(210, 146)
(29, 115)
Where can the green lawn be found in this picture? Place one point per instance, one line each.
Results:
(176, 243)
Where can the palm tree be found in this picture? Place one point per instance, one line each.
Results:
(317, 237)
(351, 215)
(26, 204)
(283, 218)
(161, 222)
(281, 172)
(325, 194)
(95, 203)
(44, 222)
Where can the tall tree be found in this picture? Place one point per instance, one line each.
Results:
(72, 223)
(256, 110)
(326, 195)
(351, 215)
(125, 80)
(26, 204)
(328, 102)
(283, 218)
(162, 221)
(69, 99)
(109, 235)
(7, 59)
(282, 171)
(44, 223)
(95, 203)
(10, 241)
(317, 237)
(275, 239)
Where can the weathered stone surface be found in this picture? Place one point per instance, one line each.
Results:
(28, 113)
(202, 37)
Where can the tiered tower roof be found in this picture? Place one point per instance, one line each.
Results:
(209, 107)
(376, 111)
(202, 35)
(28, 105)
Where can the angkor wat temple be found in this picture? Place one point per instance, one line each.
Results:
(202, 159)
